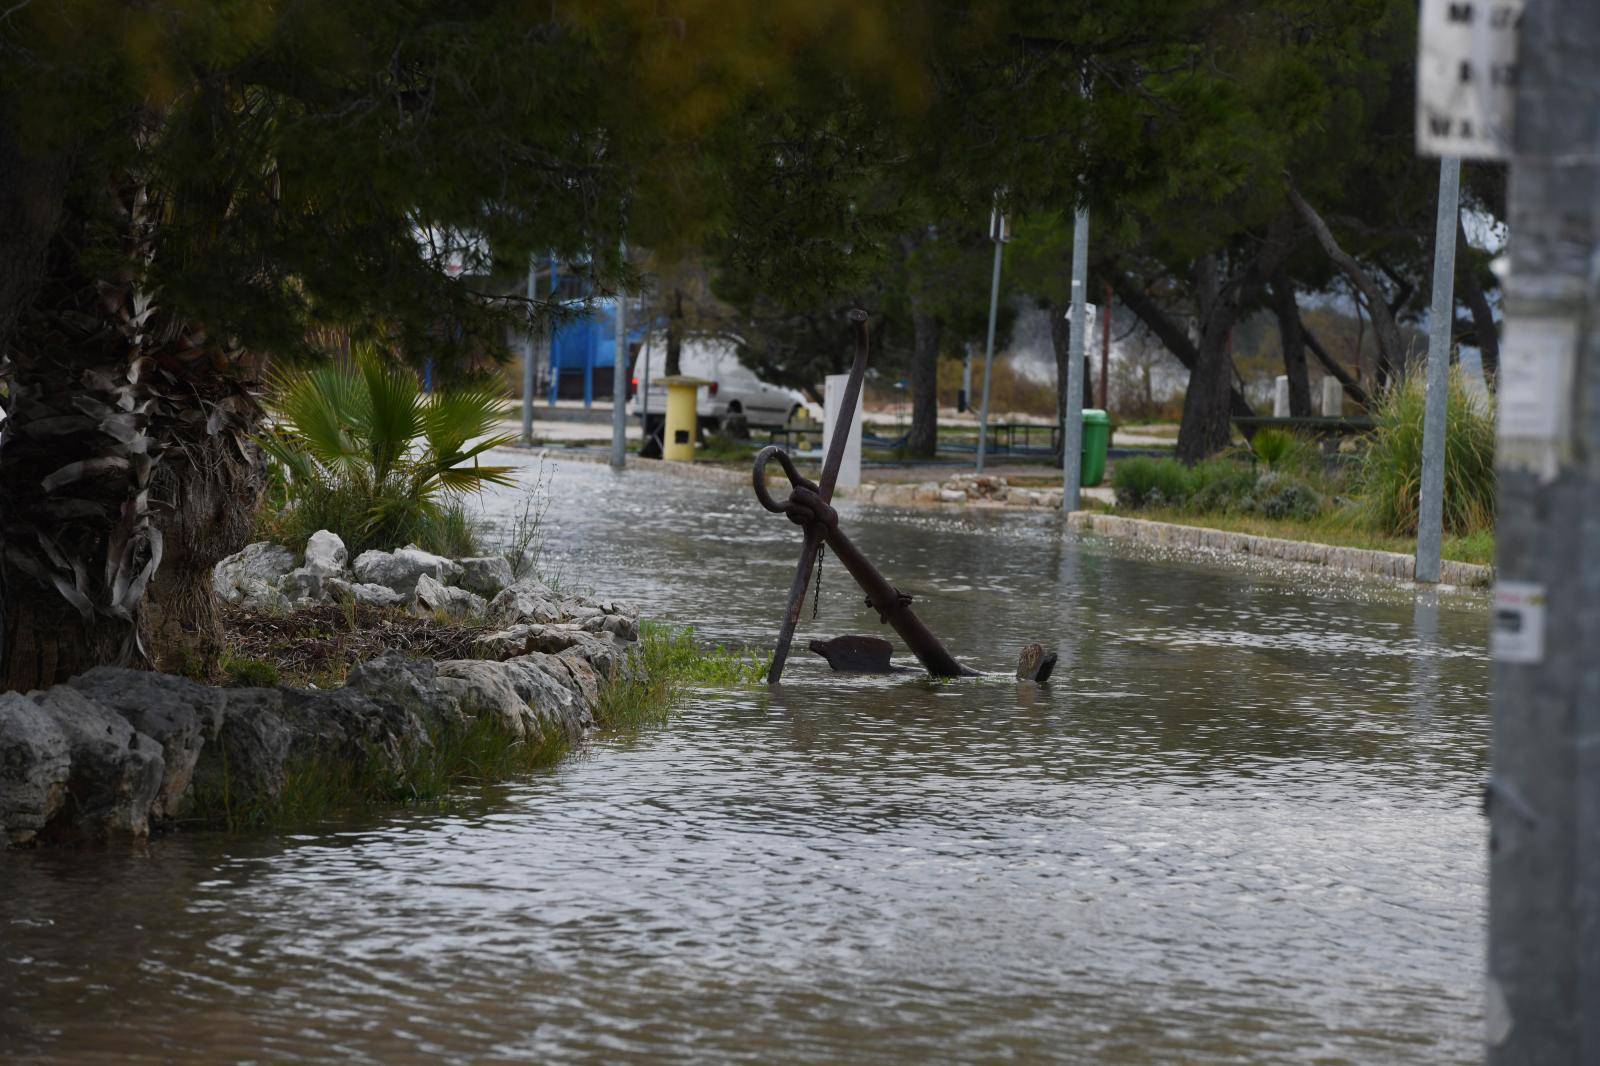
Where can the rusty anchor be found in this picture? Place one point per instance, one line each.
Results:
(808, 506)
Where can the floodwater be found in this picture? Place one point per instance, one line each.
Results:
(1242, 825)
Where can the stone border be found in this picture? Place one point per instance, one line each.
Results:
(1391, 565)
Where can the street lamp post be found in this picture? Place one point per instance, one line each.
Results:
(1000, 233)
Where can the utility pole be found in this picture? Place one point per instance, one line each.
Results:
(1072, 422)
(1430, 517)
(528, 357)
(621, 368)
(999, 232)
(1544, 769)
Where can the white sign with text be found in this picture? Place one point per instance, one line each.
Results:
(1467, 77)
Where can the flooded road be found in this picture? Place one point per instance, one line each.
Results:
(1242, 825)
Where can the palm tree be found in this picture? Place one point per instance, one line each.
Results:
(364, 448)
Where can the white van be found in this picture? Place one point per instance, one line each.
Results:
(734, 388)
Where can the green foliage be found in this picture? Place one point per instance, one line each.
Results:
(248, 672)
(1277, 447)
(671, 661)
(1279, 496)
(1141, 481)
(1217, 486)
(1391, 468)
(367, 455)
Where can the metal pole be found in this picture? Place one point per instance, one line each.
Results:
(527, 359)
(620, 369)
(1072, 430)
(1105, 350)
(1544, 767)
(1430, 518)
(966, 379)
(988, 356)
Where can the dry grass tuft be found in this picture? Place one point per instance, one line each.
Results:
(321, 644)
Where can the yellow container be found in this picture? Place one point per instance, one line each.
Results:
(677, 440)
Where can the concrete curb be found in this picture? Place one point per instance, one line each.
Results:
(1391, 565)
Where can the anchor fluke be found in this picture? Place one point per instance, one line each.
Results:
(857, 654)
(1035, 664)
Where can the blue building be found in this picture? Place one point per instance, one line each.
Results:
(583, 352)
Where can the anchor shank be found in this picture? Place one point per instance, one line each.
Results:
(847, 410)
(797, 600)
(895, 609)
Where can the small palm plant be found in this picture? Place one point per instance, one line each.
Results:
(367, 455)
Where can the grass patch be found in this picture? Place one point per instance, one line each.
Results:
(671, 660)
(1337, 528)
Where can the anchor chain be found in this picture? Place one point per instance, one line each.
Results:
(816, 597)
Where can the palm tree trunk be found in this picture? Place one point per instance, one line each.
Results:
(122, 419)
(75, 466)
(204, 496)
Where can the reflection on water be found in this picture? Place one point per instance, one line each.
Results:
(1240, 826)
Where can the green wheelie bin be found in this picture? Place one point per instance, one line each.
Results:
(1096, 439)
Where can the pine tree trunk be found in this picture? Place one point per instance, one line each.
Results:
(923, 440)
(1294, 346)
(675, 336)
(1207, 423)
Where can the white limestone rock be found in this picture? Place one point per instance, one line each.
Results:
(326, 554)
(400, 570)
(433, 597)
(244, 573)
(485, 575)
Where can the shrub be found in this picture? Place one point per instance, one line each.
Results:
(1279, 448)
(1390, 478)
(1221, 485)
(364, 453)
(1279, 496)
(1141, 481)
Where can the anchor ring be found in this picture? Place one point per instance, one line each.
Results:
(759, 478)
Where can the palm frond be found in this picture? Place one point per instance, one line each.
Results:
(461, 479)
(450, 420)
(392, 416)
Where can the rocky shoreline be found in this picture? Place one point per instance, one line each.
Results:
(118, 753)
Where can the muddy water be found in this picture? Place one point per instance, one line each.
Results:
(1241, 826)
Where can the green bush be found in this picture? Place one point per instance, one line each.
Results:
(1277, 448)
(362, 452)
(1390, 478)
(1221, 485)
(1281, 496)
(1141, 481)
